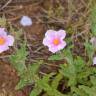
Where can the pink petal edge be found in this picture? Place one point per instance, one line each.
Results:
(10, 40)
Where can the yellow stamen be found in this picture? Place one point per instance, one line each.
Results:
(2, 40)
(56, 41)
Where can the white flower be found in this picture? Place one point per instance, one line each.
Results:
(26, 21)
(94, 60)
(93, 41)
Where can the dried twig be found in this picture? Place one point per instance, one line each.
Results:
(9, 1)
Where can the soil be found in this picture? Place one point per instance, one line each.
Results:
(8, 76)
(34, 34)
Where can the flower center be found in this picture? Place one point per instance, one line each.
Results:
(2, 40)
(56, 41)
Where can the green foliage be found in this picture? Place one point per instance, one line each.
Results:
(43, 84)
(91, 91)
(29, 75)
(90, 49)
(36, 91)
(56, 57)
(78, 92)
(69, 72)
(65, 54)
(17, 33)
(75, 73)
(93, 80)
(78, 76)
(68, 55)
(79, 64)
(18, 59)
(93, 19)
(56, 80)
(3, 22)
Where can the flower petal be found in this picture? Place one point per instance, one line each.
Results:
(53, 49)
(3, 48)
(2, 32)
(26, 21)
(62, 45)
(50, 33)
(94, 61)
(47, 41)
(61, 34)
(10, 40)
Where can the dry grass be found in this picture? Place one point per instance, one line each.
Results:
(70, 15)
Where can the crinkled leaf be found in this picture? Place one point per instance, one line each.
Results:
(56, 80)
(56, 57)
(79, 64)
(69, 72)
(29, 76)
(18, 59)
(93, 80)
(91, 91)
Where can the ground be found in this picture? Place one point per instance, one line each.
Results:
(73, 15)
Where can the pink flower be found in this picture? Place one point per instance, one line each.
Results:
(5, 40)
(54, 40)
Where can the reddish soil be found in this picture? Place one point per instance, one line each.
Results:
(34, 35)
(8, 76)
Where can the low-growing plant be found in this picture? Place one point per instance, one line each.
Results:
(75, 74)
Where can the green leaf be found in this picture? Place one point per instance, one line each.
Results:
(29, 76)
(48, 89)
(18, 59)
(3, 22)
(93, 80)
(22, 83)
(17, 33)
(56, 57)
(46, 78)
(90, 50)
(35, 92)
(91, 91)
(85, 73)
(78, 92)
(69, 72)
(79, 64)
(68, 55)
(56, 80)
(43, 85)
(93, 19)
(37, 89)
